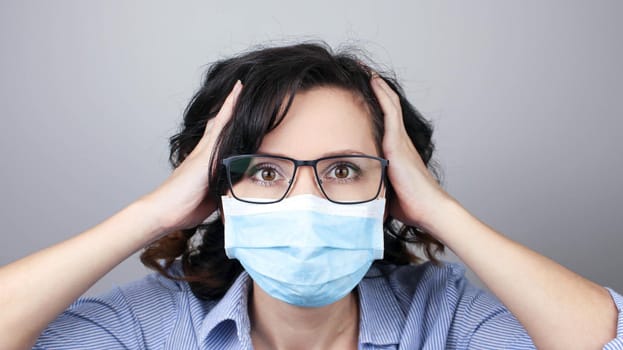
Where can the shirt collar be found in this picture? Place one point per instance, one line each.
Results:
(233, 306)
(381, 319)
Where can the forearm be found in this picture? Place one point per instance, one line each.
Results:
(558, 308)
(37, 288)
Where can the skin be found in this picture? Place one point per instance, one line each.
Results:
(559, 309)
(177, 203)
(346, 128)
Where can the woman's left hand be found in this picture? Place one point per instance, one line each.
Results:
(558, 308)
(419, 198)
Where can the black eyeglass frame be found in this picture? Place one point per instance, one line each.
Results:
(297, 163)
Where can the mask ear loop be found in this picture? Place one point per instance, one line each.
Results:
(219, 209)
(219, 201)
(388, 220)
(389, 195)
(379, 267)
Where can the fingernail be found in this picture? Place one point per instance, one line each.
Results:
(238, 85)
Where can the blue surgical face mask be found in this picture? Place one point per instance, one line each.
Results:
(304, 250)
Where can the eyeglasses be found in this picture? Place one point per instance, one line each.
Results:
(343, 179)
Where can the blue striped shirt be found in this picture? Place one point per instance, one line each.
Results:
(402, 307)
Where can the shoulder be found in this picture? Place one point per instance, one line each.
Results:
(441, 303)
(159, 305)
(437, 289)
(443, 279)
(152, 291)
(422, 293)
(140, 314)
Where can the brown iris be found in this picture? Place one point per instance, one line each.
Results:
(341, 172)
(268, 175)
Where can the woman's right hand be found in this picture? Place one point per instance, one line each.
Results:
(182, 201)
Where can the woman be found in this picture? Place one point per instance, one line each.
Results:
(314, 163)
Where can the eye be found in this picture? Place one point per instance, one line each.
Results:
(264, 174)
(342, 172)
(268, 174)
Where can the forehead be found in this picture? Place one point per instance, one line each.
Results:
(320, 122)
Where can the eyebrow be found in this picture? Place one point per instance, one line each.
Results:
(327, 154)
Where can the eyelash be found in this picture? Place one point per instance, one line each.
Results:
(263, 166)
(351, 167)
(260, 167)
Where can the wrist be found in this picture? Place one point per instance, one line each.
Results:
(147, 217)
(445, 218)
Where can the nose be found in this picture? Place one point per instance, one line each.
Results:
(304, 182)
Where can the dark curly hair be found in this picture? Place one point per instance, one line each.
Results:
(271, 77)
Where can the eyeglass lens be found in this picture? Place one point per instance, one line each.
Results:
(344, 179)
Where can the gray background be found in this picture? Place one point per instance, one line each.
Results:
(525, 97)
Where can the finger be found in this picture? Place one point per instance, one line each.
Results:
(390, 103)
(393, 96)
(215, 124)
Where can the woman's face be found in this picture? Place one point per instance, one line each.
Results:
(321, 122)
